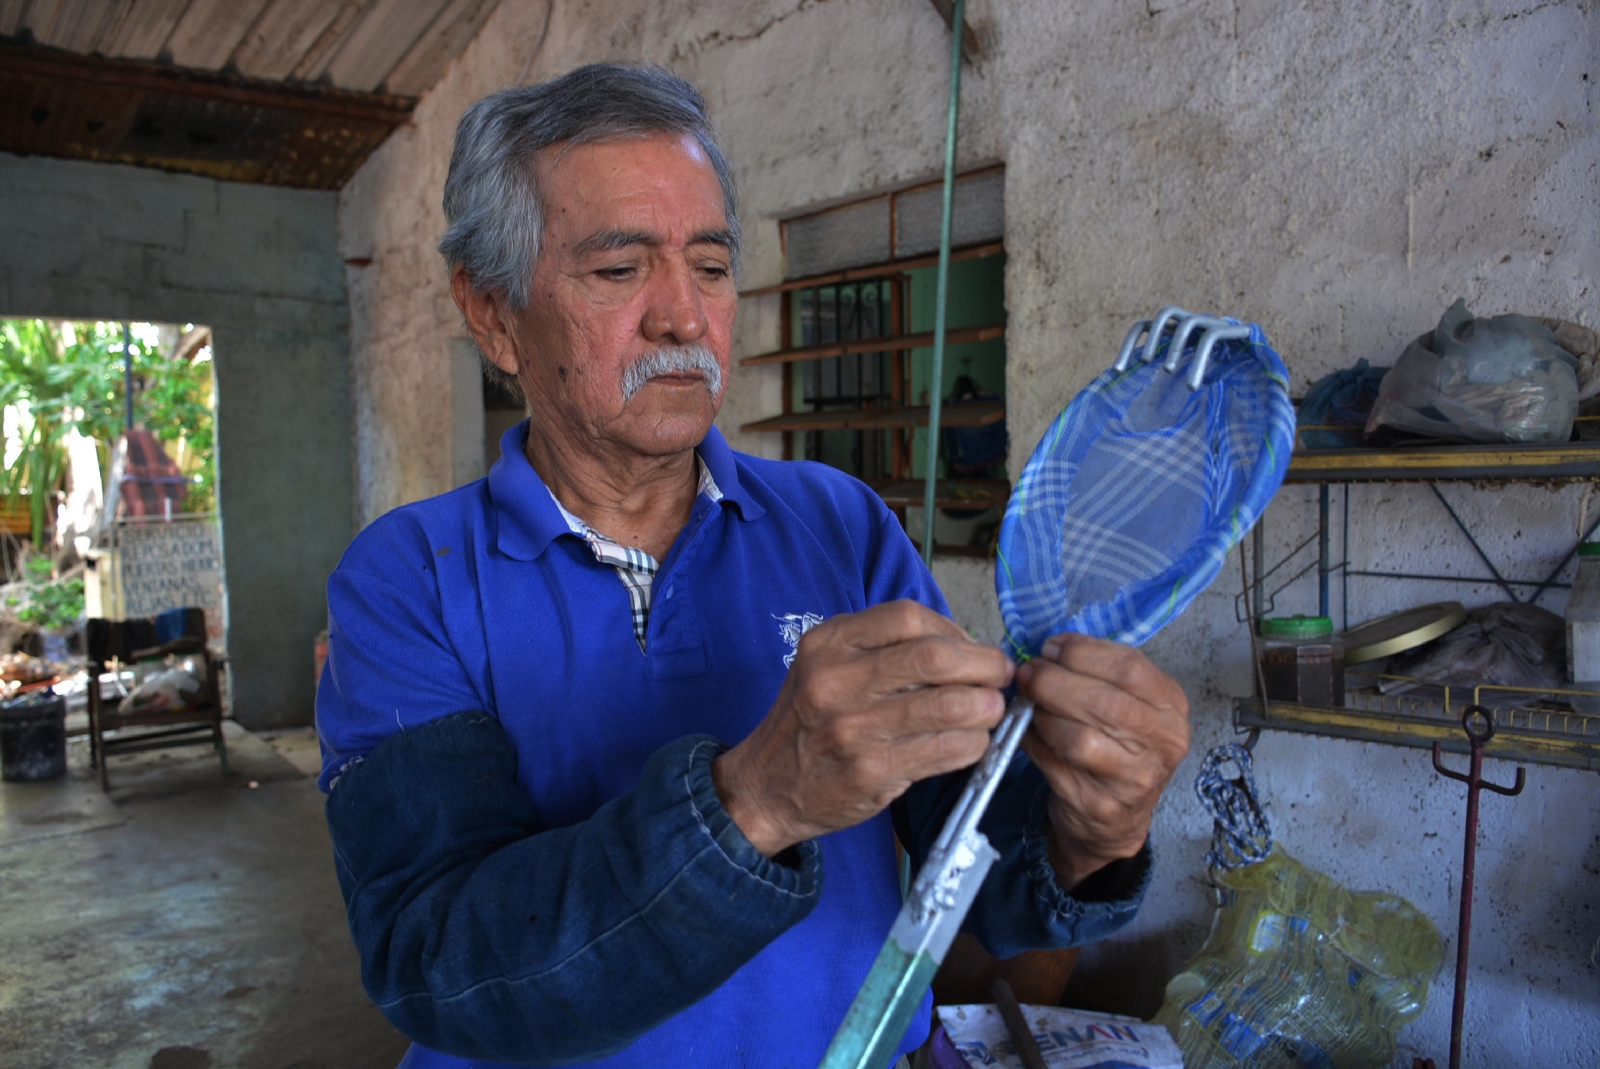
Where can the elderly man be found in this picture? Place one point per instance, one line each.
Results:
(618, 740)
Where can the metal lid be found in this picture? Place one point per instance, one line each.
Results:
(1401, 631)
(1589, 549)
(1297, 626)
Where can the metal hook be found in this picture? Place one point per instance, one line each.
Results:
(1125, 354)
(1208, 342)
(1170, 314)
(1180, 337)
(1469, 854)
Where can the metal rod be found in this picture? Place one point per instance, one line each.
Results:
(127, 371)
(1005, 1001)
(1550, 579)
(958, 24)
(1478, 738)
(1344, 550)
(1258, 550)
(1322, 553)
(1479, 549)
(1481, 581)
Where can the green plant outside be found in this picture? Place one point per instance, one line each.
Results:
(51, 604)
(80, 384)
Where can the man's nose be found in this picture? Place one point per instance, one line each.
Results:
(674, 314)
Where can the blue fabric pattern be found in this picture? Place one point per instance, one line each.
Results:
(1130, 503)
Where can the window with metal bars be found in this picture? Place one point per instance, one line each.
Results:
(850, 311)
(857, 329)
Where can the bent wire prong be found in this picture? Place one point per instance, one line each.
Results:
(1213, 330)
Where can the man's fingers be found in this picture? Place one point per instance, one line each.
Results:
(891, 623)
(1112, 662)
(1094, 703)
(937, 661)
(922, 756)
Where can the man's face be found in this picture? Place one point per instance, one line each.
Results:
(634, 266)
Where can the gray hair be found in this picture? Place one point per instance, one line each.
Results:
(491, 197)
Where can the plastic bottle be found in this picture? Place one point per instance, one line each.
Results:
(1302, 661)
(1583, 630)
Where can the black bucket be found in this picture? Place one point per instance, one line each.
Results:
(33, 737)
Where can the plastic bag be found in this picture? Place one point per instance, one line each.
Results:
(165, 690)
(1342, 399)
(1300, 973)
(977, 1036)
(1508, 644)
(1504, 379)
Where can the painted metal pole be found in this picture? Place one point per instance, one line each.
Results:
(1323, 608)
(1478, 738)
(936, 391)
(127, 370)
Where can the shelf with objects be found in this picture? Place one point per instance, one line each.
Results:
(856, 335)
(1536, 725)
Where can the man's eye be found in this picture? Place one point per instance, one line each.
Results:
(616, 274)
(714, 270)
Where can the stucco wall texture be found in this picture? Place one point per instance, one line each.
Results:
(1337, 173)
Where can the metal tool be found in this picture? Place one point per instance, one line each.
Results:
(1183, 325)
(932, 914)
(1005, 1001)
(1479, 738)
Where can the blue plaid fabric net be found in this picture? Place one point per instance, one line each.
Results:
(1129, 505)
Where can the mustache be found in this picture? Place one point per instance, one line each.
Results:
(672, 360)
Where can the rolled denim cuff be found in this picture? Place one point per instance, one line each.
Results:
(1096, 907)
(485, 936)
(804, 880)
(1021, 906)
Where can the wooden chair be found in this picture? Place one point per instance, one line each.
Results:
(200, 722)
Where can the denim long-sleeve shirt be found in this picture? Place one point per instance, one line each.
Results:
(535, 861)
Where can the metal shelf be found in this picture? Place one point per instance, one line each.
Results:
(1531, 735)
(953, 336)
(956, 414)
(1443, 463)
(883, 270)
(948, 493)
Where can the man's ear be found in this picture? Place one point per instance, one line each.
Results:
(486, 321)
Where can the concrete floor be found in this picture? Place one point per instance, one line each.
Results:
(183, 922)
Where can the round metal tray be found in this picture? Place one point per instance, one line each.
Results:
(1401, 631)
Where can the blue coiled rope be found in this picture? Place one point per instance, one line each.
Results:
(1240, 834)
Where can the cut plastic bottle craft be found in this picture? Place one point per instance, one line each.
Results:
(1298, 971)
(1122, 516)
(1128, 507)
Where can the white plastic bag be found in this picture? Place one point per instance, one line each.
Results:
(1504, 379)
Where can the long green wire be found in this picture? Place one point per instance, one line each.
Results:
(934, 405)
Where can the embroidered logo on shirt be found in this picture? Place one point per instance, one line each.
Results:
(791, 625)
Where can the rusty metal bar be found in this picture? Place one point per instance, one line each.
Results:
(1469, 855)
(40, 62)
(883, 270)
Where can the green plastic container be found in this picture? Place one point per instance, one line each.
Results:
(1302, 661)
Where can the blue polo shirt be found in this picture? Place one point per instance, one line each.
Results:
(483, 599)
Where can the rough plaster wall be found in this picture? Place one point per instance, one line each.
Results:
(102, 241)
(1338, 173)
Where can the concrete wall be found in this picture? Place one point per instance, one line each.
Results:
(1338, 173)
(260, 265)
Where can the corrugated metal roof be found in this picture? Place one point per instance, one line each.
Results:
(282, 92)
(399, 47)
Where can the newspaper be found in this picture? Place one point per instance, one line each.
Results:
(1068, 1039)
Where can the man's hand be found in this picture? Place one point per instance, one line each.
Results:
(1109, 729)
(875, 701)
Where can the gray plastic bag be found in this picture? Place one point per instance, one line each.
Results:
(1504, 379)
(1508, 644)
